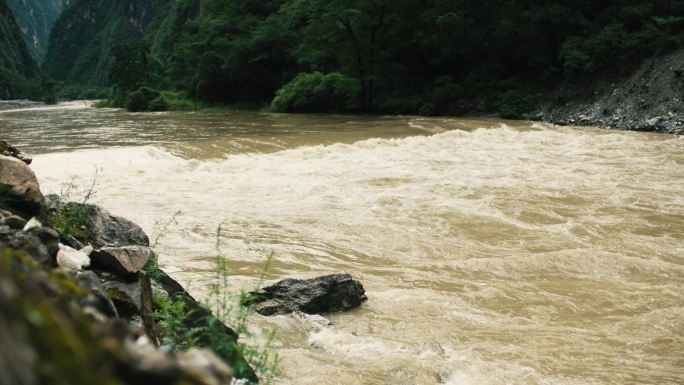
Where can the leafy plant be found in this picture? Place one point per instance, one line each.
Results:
(514, 104)
(170, 314)
(317, 92)
(70, 219)
(173, 316)
(152, 265)
(228, 307)
(145, 99)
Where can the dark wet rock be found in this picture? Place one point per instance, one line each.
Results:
(326, 294)
(125, 296)
(7, 149)
(41, 243)
(109, 230)
(96, 297)
(19, 189)
(100, 227)
(200, 318)
(13, 222)
(147, 308)
(70, 241)
(133, 302)
(126, 260)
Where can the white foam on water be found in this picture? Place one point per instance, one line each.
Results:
(506, 255)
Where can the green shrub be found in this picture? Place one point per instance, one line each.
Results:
(615, 44)
(158, 104)
(317, 92)
(514, 104)
(49, 99)
(145, 99)
(444, 91)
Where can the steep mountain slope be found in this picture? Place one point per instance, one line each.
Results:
(17, 68)
(83, 36)
(36, 18)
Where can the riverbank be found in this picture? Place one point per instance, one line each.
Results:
(83, 300)
(558, 243)
(651, 98)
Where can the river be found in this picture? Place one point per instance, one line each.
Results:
(492, 252)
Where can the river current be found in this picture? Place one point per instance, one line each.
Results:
(492, 252)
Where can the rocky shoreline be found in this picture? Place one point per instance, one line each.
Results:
(650, 99)
(83, 301)
(79, 299)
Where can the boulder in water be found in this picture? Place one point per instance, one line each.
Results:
(326, 294)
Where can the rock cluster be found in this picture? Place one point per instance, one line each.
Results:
(82, 304)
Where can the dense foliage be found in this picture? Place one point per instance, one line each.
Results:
(405, 56)
(36, 18)
(316, 92)
(80, 48)
(19, 76)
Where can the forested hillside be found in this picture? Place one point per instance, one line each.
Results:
(400, 56)
(18, 70)
(36, 18)
(84, 34)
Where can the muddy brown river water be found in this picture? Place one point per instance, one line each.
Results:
(492, 252)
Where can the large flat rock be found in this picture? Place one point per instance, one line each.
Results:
(326, 294)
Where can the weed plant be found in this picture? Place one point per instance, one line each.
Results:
(70, 218)
(172, 315)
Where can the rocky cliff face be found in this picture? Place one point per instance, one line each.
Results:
(651, 98)
(36, 18)
(17, 67)
(83, 36)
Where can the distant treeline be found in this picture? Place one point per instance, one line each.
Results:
(389, 56)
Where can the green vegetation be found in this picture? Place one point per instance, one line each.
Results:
(19, 75)
(145, 99)
(174, 315)
(316, 92)
(152, 266)
(514, 104)
(69, 219)
(36, 18)
(405, 56)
